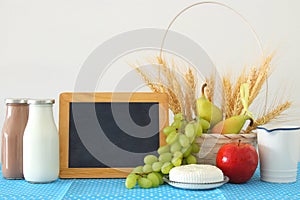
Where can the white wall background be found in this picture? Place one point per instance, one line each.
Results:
(43, 44)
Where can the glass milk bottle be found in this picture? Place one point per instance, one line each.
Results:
(12, 138)
(41, 143)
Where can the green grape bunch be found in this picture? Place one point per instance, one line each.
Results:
(181, 144)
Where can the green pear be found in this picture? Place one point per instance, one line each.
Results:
(207, 110)
(232, 125)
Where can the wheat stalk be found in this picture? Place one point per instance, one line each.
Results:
(174, 103)
(235, 103)
(260, 78)
(191, 89)
(191, 79)
(273, 114)
(150, 84)
(210, 88)
(252, 77)
(173, 87)
(173, 75)
(226, 97)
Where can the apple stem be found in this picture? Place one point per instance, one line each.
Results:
(239, 142)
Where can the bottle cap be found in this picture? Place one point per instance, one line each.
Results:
(16, 100)
(41, 101)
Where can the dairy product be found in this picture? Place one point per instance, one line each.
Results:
(41, 144)
(12, 138)
(196, 173)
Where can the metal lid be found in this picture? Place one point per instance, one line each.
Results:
(41, 101)
(16, 100)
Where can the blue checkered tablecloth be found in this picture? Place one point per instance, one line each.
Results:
(115, 189)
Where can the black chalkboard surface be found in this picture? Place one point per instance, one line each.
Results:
(107, 134)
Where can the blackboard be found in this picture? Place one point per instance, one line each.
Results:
(105, 135)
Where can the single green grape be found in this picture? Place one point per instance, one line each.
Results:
(189, 130)
(165, 157)
(198, 129)
(176, 124)
(168, 130)
(183, 140)
(177, 154)
(183, 125)
(167, 166)
(163, 149)
(192, 139)
(149, 159)
(176, 146)
(154, 179)
(186, 151)
(160, 176)
(138, 169)
(176, 161)
(191, 159)
(172, 137)
(147, 168)
(195, 148)
(178, 116)
(131, 181)
(204, 124)
(144, 182)
(156, 167)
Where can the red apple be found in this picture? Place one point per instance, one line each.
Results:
(238, 161)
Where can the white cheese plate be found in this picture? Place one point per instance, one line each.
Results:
(196, 186)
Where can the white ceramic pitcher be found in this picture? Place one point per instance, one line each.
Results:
(279, 152)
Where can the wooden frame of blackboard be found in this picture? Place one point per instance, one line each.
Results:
(64, 115)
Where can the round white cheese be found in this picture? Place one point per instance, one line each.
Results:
(196, 173)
